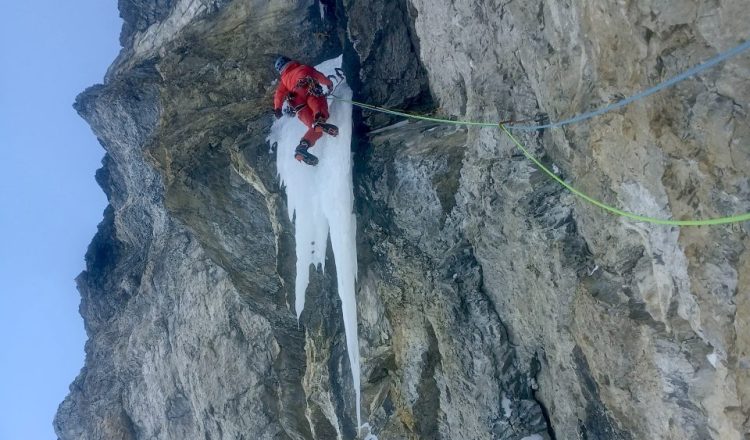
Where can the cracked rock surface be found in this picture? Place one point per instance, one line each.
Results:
(492, 303)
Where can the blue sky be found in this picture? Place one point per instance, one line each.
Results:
(50, 50)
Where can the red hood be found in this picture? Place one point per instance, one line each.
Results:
(287, 66)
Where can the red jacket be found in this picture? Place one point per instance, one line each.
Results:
(291, 75)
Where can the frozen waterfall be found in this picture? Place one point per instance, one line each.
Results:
(320, 202)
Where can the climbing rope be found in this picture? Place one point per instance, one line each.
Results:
(657, 88)
(613, 210)
(582, 117)
(505, 128)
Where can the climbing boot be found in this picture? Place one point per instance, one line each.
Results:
(301, 154)
(329, 129)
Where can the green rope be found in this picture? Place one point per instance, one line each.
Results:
(658, 221)
(413, 116)
(516, 125)
(707, 222)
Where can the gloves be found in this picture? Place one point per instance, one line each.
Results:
(290, 111)
(277, 112)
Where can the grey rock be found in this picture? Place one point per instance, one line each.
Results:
(385, 67)
(492, 303)
(138, 15)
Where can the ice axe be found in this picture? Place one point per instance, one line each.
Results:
(338, 78)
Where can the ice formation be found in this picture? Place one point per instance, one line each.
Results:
(320, 202)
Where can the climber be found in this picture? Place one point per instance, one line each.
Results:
(301, 87)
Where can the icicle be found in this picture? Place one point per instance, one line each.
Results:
(321, 201)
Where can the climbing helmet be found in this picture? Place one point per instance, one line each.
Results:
(280, 63)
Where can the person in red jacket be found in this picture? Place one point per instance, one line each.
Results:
(301, 86)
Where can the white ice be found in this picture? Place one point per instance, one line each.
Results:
(507, 410)
(365, 431)
(713, 358)
(320, 202)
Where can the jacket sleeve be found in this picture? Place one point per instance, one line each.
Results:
(279, 96)
(322, 79)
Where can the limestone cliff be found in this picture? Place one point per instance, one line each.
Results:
(492, 303)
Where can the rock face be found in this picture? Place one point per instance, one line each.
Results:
(493, 304)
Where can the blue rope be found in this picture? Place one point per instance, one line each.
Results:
(668, 83)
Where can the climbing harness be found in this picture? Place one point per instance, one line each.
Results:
(310, 86)
(292, 110)
(507, 126)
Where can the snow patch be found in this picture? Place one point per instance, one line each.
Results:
(713, 358)
(533, 437)
(507, 411)
(366, 428)
(320, 203)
